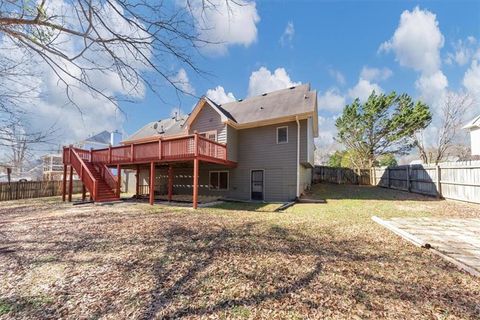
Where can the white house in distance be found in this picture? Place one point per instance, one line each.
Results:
(474, 127)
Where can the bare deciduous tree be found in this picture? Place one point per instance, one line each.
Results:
(81, 40)
(451, 119)
(18, 144)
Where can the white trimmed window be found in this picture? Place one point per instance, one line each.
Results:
(212, 135)
(218, 180)
(282, 135)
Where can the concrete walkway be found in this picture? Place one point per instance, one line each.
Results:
(456, 238)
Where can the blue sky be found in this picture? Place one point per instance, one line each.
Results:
(328, 45)
(344, 49)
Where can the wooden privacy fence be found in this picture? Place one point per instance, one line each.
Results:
(34, 189)
(341, 175)
(450, 180)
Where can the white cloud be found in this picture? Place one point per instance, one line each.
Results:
(262, 81)
(471, 79)
(375, 74)
(337, 75)
(181, 81)
(432, 88)
(218, 95)
(331, 100)
(288, 34)
(363, 89)
(464, 51)
(417, 41)
(326, 133)
(223, 23)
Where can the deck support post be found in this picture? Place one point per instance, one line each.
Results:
(119, 179)
(152, 182)
(64, 183)
(70, 185)
(84, 192)
(137, 182)
(195, 182)
(170, 182)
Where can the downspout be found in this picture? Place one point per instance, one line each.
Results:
(298, 156)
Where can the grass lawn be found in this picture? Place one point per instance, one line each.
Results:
(313, 261)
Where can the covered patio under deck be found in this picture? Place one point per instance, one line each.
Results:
(172, 181)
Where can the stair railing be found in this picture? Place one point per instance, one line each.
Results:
(108, 177)
(84, 173)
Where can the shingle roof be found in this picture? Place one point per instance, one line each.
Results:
(273, 105)
(475, 123)
(163, 127)
(102, 137)
(277, 104)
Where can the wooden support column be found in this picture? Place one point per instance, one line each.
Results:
(84, 192)
(70, 186)
(195, 172)
(64, 183)
(195, 182)
(119, 179)
(152, 182)
(170, 182)
(137, 183)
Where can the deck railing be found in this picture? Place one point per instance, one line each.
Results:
(181, 148)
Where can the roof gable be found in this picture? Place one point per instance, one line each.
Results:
(102, 138)
(204, 101)
(475, 123)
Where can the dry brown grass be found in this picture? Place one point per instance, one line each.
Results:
(313, 261)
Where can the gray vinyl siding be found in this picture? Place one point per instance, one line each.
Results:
(232, 146)
(208, 120)
(303, 141)
(310, 142)
(258, 149)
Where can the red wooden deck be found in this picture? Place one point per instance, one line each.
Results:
(92, 165)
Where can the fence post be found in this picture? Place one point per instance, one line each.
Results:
(388, 177)
(408, 178)
(439, 184)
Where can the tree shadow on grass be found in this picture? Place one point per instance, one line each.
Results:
(204, 260)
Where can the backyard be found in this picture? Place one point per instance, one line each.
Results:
(132, 260)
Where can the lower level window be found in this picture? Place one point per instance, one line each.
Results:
(218, 180)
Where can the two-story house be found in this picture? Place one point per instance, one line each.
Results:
(260, 148)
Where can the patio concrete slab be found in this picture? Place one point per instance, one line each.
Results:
(456, 238)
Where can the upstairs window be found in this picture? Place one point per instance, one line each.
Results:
(212, 135)
(218, 180)
(282, 135)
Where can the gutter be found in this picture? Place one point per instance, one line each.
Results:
(298, 157)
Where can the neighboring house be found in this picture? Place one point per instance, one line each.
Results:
(474, 128)
(101, 140)
(260, 148)
(52, 166)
